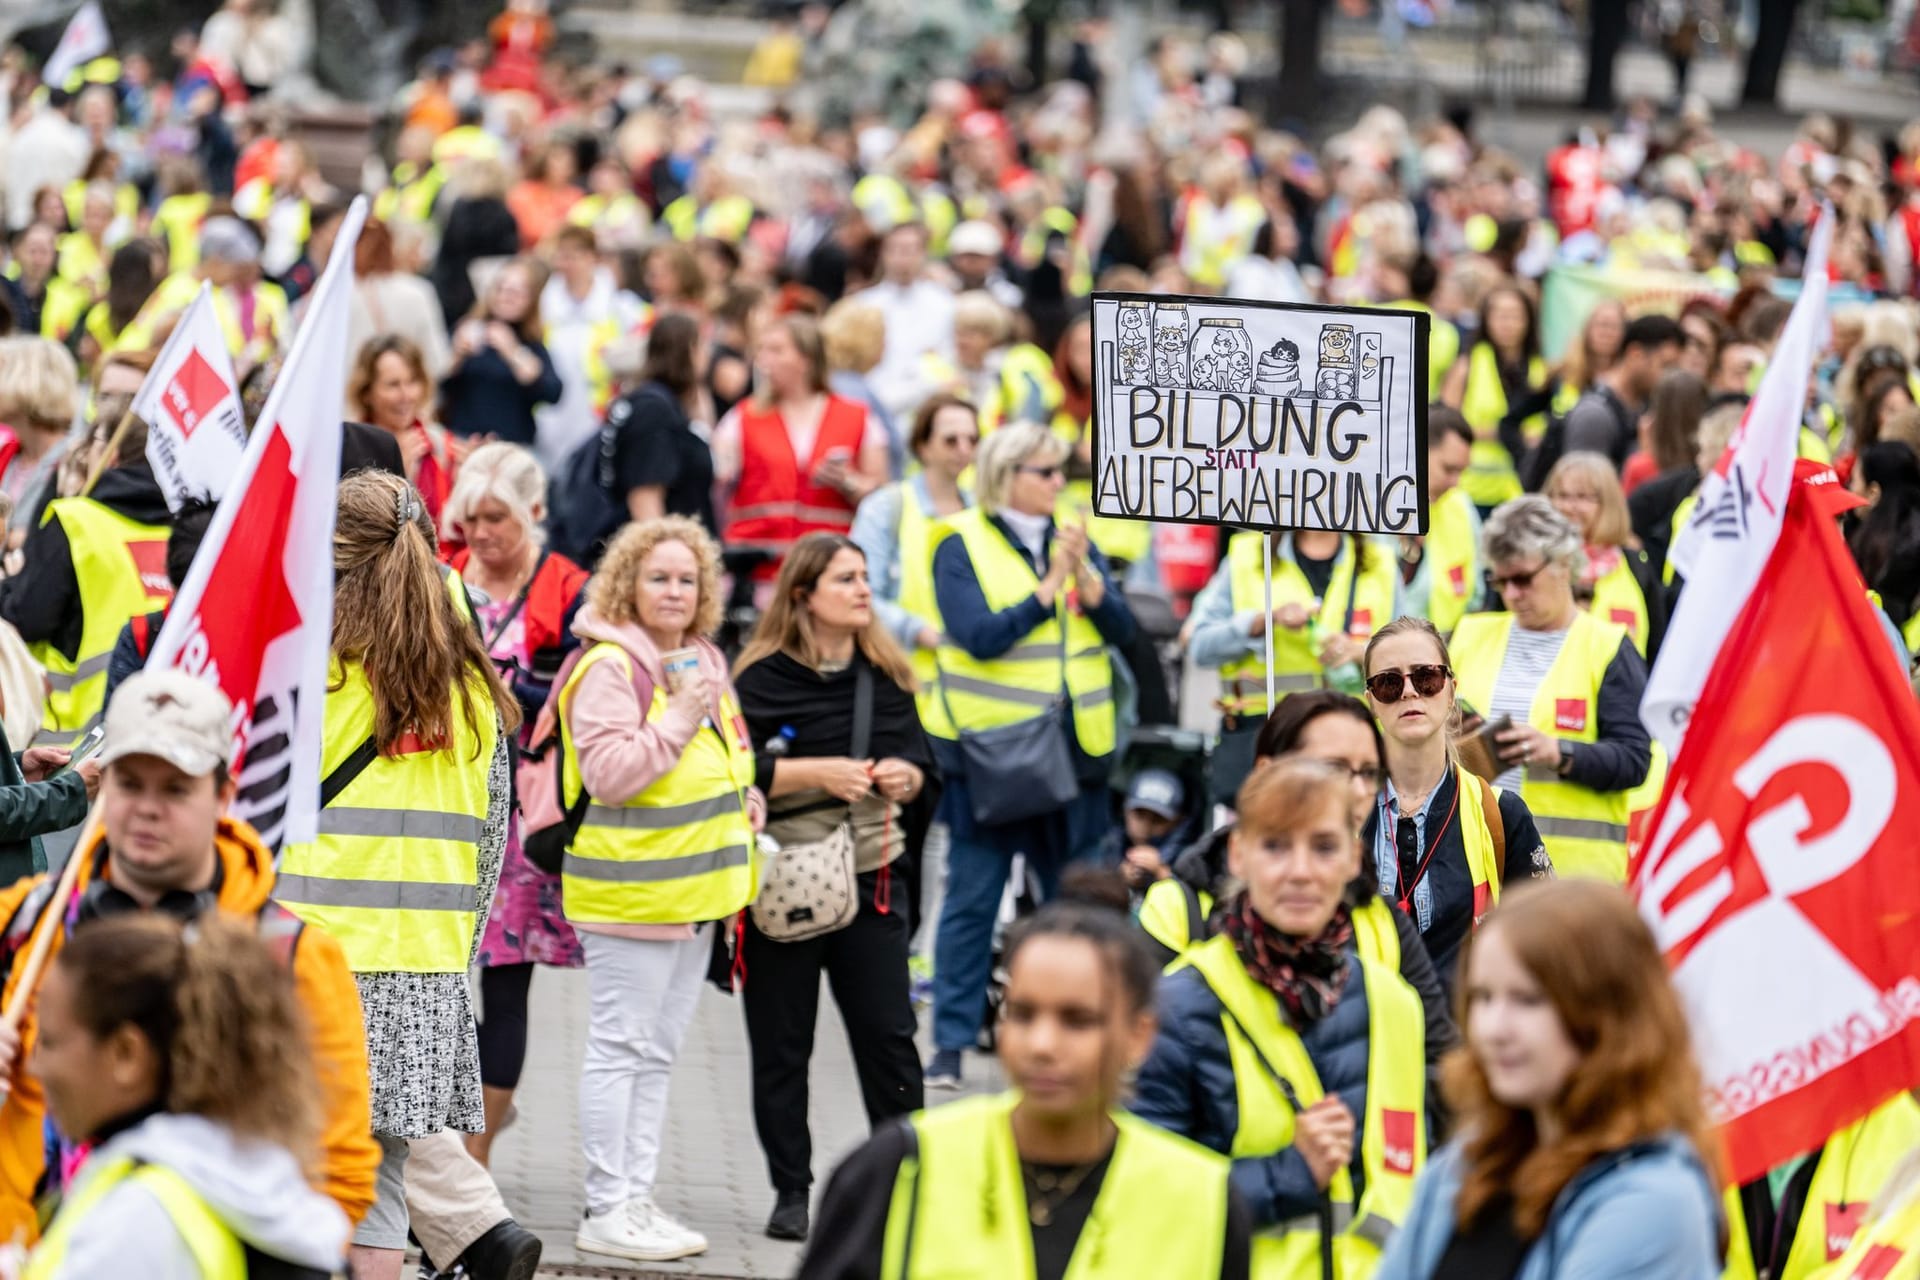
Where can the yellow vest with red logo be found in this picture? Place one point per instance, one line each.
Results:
(394, 870)
(1886, 1249)
(1453, 560)
(1375, 934)
(1585, 830)
(682, 850)
(1393, 1134)
(1296, 666)
(120, 570)
(1853, 1167)
(1617, 598)
(959, 1203)
(1491, 479)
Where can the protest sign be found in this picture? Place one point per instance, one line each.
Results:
(190, 401)
(1264, 415)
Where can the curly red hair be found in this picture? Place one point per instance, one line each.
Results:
(1586, 946)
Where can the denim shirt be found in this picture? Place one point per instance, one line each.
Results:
(1386, 853)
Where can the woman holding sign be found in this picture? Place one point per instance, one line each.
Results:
(1331, 591)
(1562, 689)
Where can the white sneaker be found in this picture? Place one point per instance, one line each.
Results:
(653, 1220)
(619, 1235)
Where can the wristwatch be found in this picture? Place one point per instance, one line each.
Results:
(1565, 767)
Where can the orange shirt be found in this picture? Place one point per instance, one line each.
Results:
(540, 209)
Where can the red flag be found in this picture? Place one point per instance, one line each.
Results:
(1779, 881)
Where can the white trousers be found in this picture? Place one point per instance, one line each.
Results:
(642, 998)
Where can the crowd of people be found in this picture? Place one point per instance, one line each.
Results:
(720, 601)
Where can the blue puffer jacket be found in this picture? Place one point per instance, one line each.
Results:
(1186, 1085)
(1648, 1211)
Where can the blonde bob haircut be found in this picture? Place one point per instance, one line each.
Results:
(39, 383)
(1008, 449)
(1612, 527)
(508, 474)
(612, 590)
(856, 335)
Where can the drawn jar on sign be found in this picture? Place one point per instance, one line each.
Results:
(1135, 354)
(1222, 356)
(1170, 345)
(1337, 378)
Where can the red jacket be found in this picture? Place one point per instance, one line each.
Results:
(776, 500)
(551, 597)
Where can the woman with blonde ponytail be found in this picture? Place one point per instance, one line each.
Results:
(412, 829)
(179, 1056)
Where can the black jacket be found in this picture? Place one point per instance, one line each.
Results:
(43, 601)
(483, 228)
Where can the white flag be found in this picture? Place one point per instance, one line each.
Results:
(1731, 534)
(84, 40)
(255, 615)
(190, 401)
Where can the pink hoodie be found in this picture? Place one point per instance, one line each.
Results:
(621, 754)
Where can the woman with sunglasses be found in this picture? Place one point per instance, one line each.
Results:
(1443, 840)
(1562, 687)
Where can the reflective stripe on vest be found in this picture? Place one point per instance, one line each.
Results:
(394, 870)
(1849, 1173)
(120, 570)
(217, 1252)
(683, 849)
(1617, 598)
(959, 1205)
(1296, 665)
(1452, 560)
(1490, 478)
(1393, 1140)
(1585, 830)
(1026, 680)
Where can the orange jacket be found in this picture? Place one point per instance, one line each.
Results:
(348, 1154)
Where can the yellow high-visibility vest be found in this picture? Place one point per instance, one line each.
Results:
(914, 539)
(1852, 1168)
(1393, 1138)
(217, 1252)
(120, 569)
(179, 218)
(682, 850)
(1585, 831)
(1376, 935)
(1443, 344)
(1063, 657)
(959, 1203)
(394, 872)
(1491, 479)
(1888, 1249)
(725, 219)
(1296, 666)
(1452, 557)
(1617, 598)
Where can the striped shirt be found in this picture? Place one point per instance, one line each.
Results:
(1530, 655)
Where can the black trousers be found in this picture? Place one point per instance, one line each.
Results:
(503, 1026)
(866, 967)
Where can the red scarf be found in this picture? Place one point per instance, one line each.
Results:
(1306, 974)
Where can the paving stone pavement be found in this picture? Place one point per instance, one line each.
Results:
(712, 1175)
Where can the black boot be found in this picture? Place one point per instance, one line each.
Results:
(789, 1220)
(507, 1252)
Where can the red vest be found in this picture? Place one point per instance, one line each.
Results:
(776, 501)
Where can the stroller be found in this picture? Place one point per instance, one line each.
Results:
(1181, 752)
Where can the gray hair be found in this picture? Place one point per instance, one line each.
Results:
(1530, 526)
(507, 474)
(1006, 450)
(229, 240)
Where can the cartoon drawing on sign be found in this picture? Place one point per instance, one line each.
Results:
(1336, 379)
(1279, 370)
(1136, 345)
(1170, 345)
(1222, 356)
(1369, 367)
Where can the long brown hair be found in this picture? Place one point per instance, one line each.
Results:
(1594, 958)
(787, 626)
(393, 614)
(220, 1012)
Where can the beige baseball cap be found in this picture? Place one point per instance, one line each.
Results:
(172, 716)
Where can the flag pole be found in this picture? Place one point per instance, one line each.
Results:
(1266, 568)
(114, 442)
(50, 923)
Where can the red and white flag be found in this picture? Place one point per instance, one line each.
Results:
(255, 615)
(84, 40)
(1736, 522)
(1780, 880)
(190, 401)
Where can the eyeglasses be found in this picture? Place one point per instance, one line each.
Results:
(951, 441)
(1370, 775)
(1427, 679)
(1518, 581)
(1053, 472)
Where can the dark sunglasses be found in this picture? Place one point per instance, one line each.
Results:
(1518, 580)
(1045, 473)
(1390, 686)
